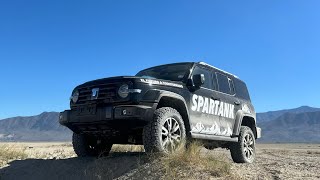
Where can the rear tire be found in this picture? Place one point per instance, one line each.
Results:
(244, 150)
(166, 133)
(85, 146)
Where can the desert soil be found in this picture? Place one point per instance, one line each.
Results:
(57, 161)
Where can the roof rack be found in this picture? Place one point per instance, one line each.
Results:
(206, 64)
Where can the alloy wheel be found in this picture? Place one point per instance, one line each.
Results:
(170, 135)
(248, 143)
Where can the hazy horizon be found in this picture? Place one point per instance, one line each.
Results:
(58, 112)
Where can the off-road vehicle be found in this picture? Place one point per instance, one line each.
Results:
(164, 108)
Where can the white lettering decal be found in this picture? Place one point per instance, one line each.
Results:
(226, 110)
(210, 106)
(200, 103)
(216, 107)
(220, 113)
(194, 102)
(206, 106)
(211, 109)
(156, 82)
(231, 111)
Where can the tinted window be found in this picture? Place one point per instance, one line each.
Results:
(223, 82)
(173, 72)
(207, 76)
(241, 90)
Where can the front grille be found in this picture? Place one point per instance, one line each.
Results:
(107, 94)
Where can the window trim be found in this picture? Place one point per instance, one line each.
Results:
(229, 79)
(212, 71)
(232, 89)
(217, 91)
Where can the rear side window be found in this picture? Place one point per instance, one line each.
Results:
(207, 76)
(225, 84)
(241, 90)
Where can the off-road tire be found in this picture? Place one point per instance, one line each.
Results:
(85, 146)
(239, 149)
(152, 133)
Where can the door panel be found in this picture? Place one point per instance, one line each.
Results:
(212, 112)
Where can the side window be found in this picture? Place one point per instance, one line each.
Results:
(241, 89)
(207, 76)
(225, 84)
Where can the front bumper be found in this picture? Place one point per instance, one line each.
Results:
(107, 114)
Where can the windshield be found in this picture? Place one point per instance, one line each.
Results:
(172, 72)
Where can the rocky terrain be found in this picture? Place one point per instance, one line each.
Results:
(57, 161)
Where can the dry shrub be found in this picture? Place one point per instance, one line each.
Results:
(10, 152)
(192, 164)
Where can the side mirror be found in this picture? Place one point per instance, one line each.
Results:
(198, 80)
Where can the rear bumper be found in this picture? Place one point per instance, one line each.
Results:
(258, 132)
(107, 115)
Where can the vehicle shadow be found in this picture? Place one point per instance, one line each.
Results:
(113, 166)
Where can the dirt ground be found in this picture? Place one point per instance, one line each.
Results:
(57, 161)
(283, 161)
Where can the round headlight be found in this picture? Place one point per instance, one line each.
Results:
(123, 91)
(75, 96)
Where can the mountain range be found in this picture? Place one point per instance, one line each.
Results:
(43, 127)
(292, 125)
(272, 115)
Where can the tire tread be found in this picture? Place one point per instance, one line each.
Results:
(236, 148)
(151, 132)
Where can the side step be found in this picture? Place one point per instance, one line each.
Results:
(213, 137)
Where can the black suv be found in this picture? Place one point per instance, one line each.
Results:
(163, 108)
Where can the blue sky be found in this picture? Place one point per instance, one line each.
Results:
(49, 47)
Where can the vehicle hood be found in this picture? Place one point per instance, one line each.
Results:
(116, 79)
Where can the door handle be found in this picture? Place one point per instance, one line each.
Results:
(237, 103)
(216, 99)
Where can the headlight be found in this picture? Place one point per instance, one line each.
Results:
(75, 96)
(123, 91)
